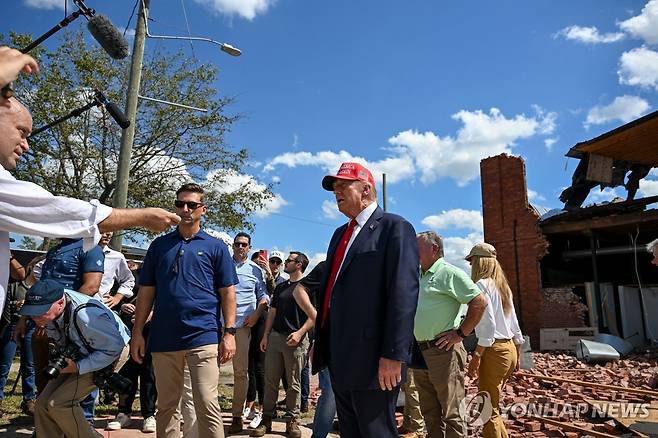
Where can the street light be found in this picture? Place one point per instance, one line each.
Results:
(224, 47)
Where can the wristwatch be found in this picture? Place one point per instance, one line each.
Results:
(230, 330)
(460, 332)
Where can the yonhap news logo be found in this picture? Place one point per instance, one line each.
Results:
(476, 409)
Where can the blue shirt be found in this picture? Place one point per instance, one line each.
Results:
(105, 333)
(249, 290)
(187, 275)
(67, 263)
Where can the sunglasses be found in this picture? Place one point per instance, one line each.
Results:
(292, 260)
(275, 261)
(240, 244)
(191, 205)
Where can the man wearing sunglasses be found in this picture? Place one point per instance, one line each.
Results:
(251, 297)
(187, 274)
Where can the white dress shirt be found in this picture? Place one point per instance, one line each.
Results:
(26, 208)
(116, 269)
(494, 323)
(361, 220)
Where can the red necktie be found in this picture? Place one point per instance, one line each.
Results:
(335, 265)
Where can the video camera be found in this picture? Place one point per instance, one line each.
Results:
(104, 378)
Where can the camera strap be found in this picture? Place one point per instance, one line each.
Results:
(73, 315)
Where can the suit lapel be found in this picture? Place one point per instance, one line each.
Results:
(363, 236)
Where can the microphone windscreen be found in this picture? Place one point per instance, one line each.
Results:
(117, 114)
(108, 36)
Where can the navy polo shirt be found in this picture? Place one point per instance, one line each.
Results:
(187, 275)
(67, 262)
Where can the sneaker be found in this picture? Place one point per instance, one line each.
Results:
(252, 414)
(149, 425)
(255, 422)
(122, 420)
(236, 425)
(245, 413)
(264, 427)
(292, 429)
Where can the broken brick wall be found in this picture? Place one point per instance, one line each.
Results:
(511, 225)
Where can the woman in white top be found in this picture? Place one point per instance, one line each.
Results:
(497, 354)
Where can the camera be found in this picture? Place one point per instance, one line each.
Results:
(58, 361)
(104, 378)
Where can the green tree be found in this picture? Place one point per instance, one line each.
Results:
(78, 158)
(28, 242)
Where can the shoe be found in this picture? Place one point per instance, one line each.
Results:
(122, 420)
(149, 425)
(292, 429)
(245, 413)
(252, 414)
(236, 426)
(255, 422)
(264, 427)
(27, 407)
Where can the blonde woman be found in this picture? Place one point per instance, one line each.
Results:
(499, 337)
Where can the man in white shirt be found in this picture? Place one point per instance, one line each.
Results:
(116, 271)
(29, 209)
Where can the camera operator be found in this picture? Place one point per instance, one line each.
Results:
(27, 208)
(88, 338)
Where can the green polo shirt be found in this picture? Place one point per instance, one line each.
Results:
(444, 291)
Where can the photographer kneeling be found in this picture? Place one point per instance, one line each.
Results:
(86, 339)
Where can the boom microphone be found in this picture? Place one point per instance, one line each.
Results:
(113, 109)
(108, 36)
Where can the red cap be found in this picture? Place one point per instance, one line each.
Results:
(350, 172)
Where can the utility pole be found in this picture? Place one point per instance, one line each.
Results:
(128, 135)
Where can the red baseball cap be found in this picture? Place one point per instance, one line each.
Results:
(350, 172)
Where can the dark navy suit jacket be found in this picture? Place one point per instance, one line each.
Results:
(373, 303)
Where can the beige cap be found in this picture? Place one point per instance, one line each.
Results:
(482, 250)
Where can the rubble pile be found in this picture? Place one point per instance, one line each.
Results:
(529, 405)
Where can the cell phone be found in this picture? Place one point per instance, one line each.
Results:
(262, 253)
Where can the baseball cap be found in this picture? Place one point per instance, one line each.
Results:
(350, 172)
(277, 254)
(41, 296)
(482, 250)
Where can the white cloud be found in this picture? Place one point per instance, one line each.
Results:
(456, 248)
(45, 4)
(645, 25)
(648, 187)
(434, 157)
(229, 181)
(534, 196)
(455, 219)
(624, 108)
(276, 179)
(245, 8)
(549, 142)
(639, 67)
(314, 259)
(330, 209)
(597, 196)
(588, 35)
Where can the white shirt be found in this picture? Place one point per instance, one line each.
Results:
(116, 269)
(26, 208)
(361, 220)
(494, 323)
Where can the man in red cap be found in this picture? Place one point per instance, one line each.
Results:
(366, 306)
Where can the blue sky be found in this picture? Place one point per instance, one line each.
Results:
(421, 90)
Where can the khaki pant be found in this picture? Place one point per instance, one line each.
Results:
(441, 389)
(240, 370)
(204, 374)
(498, 363)
(186, 407)
(280, 358)
(57, 412)
(413, 418)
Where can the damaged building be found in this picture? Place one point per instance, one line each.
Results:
(581, 267)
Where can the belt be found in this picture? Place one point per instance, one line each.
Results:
(426, 345)
(498, 341)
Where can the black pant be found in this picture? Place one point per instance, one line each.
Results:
(367, 413)
(256, 363)
(147, 392)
